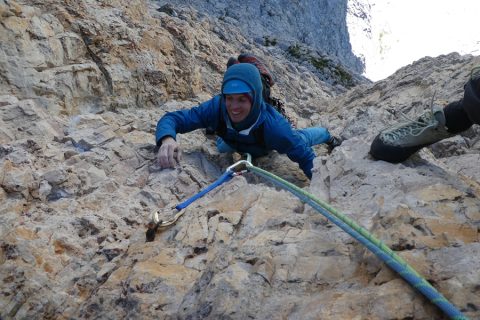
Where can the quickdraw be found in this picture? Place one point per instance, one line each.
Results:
(156, 223)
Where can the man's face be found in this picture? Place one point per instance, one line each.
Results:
(238, 107)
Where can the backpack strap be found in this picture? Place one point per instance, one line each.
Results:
(278, 105)
(259, 134)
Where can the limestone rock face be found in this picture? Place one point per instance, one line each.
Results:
(319, 24)
(82, 85)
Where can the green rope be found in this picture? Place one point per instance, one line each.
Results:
(336, 213)
(374, 244)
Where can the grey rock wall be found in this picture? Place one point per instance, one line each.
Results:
(319, 24)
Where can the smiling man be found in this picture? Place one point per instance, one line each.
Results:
(243, 122)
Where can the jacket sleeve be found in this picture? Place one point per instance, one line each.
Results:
(183, 121)
(281, 137)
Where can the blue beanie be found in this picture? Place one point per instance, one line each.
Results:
(235, 87)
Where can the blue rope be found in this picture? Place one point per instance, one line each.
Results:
(222, 179)
(403, 269)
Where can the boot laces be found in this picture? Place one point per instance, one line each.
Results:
(412, 127)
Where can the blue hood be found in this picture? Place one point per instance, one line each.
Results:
(249, 74)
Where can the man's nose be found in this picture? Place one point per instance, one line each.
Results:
(235, 104)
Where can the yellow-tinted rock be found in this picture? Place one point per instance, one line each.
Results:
(26, 234)
(459, 231)
(439, 192)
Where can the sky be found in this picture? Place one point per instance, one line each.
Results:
(404, 31)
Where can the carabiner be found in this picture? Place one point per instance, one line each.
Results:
(156, 223)
(247, 163)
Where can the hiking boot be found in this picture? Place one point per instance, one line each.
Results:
(332, 143)
(397, 143)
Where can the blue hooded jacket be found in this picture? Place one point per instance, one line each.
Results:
(263, 120)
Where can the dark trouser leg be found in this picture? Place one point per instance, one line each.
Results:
(457, 119)
(471, 100)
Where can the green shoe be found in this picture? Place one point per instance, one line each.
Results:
(400, 141)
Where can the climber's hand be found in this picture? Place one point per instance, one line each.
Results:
(169, 153)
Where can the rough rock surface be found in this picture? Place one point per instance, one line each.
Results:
(82, 86)
(318, 24)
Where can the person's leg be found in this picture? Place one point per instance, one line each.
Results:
(314, 135)
(456, 118)
(471, 98)
(318, 135)
(397, 143)
(223, 147)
